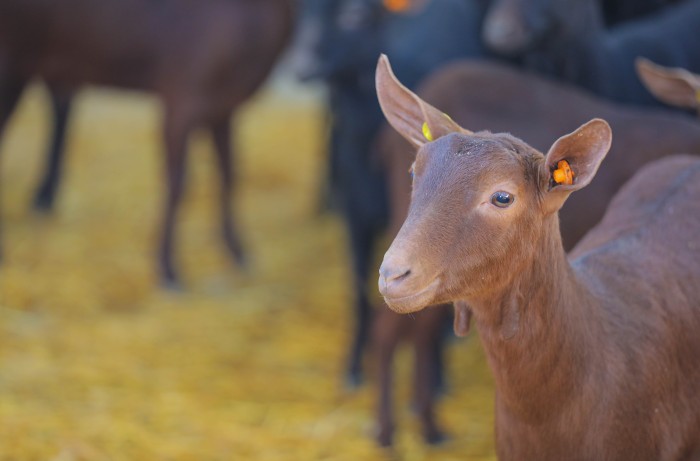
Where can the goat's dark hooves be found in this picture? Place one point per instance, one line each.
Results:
(353, 381)
(236, 251)
(435, 438)
(243, 263)
(171, 285)
(42, 204)
(240, 259)
(385, 440)
(441, 390)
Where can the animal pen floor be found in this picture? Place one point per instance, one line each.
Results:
(97, 363)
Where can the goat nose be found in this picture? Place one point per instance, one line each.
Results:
(392, 275)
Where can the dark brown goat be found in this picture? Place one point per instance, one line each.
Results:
(564, 38)
(202, 58)
(484, 95)
(596, 357)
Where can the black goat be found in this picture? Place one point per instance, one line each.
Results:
(566, 39)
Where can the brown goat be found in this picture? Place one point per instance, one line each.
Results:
(484, 95)
(202, 58)
(594, 357)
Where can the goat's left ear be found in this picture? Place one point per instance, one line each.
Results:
(582, 152)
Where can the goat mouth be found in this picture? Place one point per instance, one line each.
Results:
(415, 301)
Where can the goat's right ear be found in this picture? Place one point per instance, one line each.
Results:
(413, 118)
(676, 87)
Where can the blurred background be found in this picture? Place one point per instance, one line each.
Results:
(115, 345)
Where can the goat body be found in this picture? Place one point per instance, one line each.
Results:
(595, 355)
(606, 363)
(202, 58)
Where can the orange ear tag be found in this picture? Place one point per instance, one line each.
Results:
(397, 6)
(563, 174)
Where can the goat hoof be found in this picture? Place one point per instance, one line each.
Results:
(43, 203)
(237, 254)
(242, 262)
(171, 283)
(440, 390)
(435, 437)
(353, 380)
(172, 286)
(385, 438)
(235, 249)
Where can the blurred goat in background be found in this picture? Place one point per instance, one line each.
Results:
(567, 40)
(202, 58)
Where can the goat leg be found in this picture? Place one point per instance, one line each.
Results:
(61, 100)
(221, 132)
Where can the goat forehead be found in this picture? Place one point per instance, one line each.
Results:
(478, 155)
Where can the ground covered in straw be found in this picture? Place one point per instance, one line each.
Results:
(97, 363)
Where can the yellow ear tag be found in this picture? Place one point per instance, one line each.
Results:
(397, 6)
(426, 132)
(563, 174)
(697, 95)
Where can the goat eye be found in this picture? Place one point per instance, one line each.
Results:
(502, 199)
